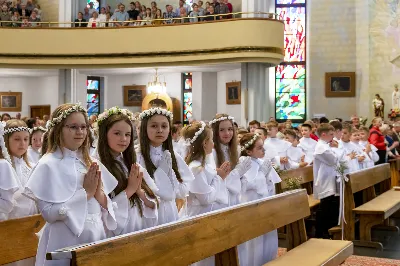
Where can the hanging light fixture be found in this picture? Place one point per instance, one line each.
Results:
(156, 86)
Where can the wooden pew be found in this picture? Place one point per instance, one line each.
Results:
(374, 211)
(216, 233)
(394, 171)
(306, 179)
(18, 239)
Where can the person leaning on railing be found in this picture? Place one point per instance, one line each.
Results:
(210, 13)
(33, 19)
(5, 16)
(16, 20)
(158, 16)
(80, 22)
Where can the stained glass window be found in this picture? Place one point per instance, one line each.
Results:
(290, 86)
(93, 95)
(187, 97)
(96, 4)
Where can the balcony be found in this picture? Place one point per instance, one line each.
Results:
(229, 40)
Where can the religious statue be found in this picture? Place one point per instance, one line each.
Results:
(396, 98)
(379, 106)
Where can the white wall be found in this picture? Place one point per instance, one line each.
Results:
(222, 78)
(35, 91)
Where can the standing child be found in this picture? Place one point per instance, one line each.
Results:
(134, 194)
(324, 171)
(351, 150)
(8, 181)
(363, 157)
(295, 154)
(368, 148)
(276, 149)
(207, 192)
(307, 143)
(70, 188)
(35, 140)
(169, 171)
(226, 154)
(261, 180)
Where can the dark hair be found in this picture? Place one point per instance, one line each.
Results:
(174, 130)
(233, 153)
(291, 132)
(323, 120)
(307, 126)
(235, 124)
(254, 122)
(31, 122)
(4, 115)
(336, 125)
(80, 13)
(145, 149)
(114, 166)
(246, 138)
(33, 132)
(196, 150)
(339, 119)
(44, 144)
(264, 130)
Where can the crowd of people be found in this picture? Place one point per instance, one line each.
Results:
(16, 14)
(139, 15)
(97, 177)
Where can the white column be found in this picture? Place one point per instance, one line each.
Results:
(65, 12)
(204, 95)
(257, 6)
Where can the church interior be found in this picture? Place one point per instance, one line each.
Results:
(193, 132)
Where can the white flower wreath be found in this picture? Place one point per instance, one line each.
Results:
(75, 108)
(198, 133)
(222, 119)
(37, 128)
(112, 111)
(155, 111)
(2, 143)
(15, 129)
(250, 142)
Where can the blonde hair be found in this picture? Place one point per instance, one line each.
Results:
(14, 123)
(54, 140)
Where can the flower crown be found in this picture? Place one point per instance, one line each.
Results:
(250, 142)
(15, 129)
(155, 111)
(222, 119)
(37, 128)
(198, 133)
(75, 108)
(3, 144)
(112, 111)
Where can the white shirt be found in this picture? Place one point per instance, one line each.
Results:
(295, 154)
(308, 147)
(276, 148)
(8, 186)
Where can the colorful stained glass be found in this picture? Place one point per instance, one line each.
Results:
(187, 106)
(295, 31)
(92, 84)
(92, 104)
(96, 4)
(290, 71)
(188, 83)
(286, 2)
(290, 106)
(290, 85)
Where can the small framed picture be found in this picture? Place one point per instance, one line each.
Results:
(134, 95)
(340, 84)
(233, 93)
(10, 101)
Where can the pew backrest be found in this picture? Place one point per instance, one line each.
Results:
(366, 178)
(187, 241)
(18, 239)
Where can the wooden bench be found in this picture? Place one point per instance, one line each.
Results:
(216, 233)
(18, 239)
(374, 211)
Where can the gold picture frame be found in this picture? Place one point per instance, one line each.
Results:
(10, 101)
(233, 92)
(134, 95)
(340, 84)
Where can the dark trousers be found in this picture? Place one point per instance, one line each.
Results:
(382, 157)
(327, 216)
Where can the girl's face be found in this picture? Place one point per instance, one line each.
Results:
(74, 131)
(119, 137)
(158, 130)
(225, 132)
(158, 13)
(18, 143)
(37, 140)
(208, 143)
(258, 151)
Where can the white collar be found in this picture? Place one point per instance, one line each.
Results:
(17, 160)
(156, 150)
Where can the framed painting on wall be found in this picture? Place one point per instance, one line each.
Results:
(340, 84)
(233, 92)
(10, 101)
(134, 95)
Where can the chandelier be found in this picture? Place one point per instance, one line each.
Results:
(155, 85)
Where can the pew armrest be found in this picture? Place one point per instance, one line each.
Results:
(316, 252)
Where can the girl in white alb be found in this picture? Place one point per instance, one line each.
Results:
(70, 187)
(261, 180)
(8, 180)
(35, 141)
(169, 171)
(207, 192)
(226, 154)
(134, 194)
(16, 138)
